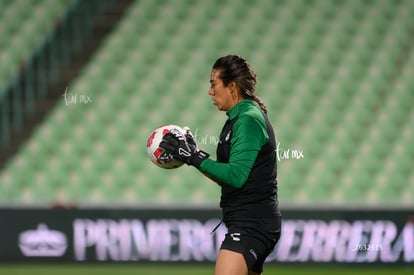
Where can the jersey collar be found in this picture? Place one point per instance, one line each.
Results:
(236, 109)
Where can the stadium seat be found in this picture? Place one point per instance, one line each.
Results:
(24, 26)
(336, 77)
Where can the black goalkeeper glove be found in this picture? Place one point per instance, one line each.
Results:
(183, 148)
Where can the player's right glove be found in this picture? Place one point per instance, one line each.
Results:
(190, 137)
(183, 148)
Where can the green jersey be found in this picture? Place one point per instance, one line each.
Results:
(246, 161)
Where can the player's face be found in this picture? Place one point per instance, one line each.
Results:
(220, 95)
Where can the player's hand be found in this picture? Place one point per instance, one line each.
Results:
(183, 148)
(190, 137)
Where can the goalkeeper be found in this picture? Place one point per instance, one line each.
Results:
(245, 168)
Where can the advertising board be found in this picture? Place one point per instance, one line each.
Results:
(185, 235)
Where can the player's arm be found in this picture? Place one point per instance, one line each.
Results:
(183, 147)
(249, 135)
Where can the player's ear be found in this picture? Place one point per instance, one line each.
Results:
(232, 86)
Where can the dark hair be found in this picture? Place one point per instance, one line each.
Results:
(235, 68)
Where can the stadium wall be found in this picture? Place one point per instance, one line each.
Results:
(317, 236)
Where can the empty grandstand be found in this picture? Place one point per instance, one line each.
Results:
(337, 77)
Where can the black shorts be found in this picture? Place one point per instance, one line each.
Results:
(255, 240)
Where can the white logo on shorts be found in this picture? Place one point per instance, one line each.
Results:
(253, 252)
(235, 237)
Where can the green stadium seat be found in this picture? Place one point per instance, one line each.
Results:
(25, 24)
(326, 72)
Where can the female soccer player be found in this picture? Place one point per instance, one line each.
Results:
(245, 168)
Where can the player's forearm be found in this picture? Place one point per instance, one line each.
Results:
(212, 178)
(234, 173)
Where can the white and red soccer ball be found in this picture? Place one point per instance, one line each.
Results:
(157, 155)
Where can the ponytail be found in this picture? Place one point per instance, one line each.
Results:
(248, 94)
(235, 68)
(260, 103)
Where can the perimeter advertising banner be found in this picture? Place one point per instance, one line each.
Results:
(183, 235)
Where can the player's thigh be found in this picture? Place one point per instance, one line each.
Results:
(230, 263)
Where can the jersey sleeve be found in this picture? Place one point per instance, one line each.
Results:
(249, 135)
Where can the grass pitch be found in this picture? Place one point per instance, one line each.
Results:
(180, 269)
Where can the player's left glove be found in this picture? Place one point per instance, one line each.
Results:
(183, 147)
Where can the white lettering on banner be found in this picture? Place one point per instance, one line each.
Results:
(190, 240)
(405, 243)
(140, 248)
(339, 240)
(384, 233)
(408, 242)
(157, 240)
(84, 236)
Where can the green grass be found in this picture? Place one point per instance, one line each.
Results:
(176, 269)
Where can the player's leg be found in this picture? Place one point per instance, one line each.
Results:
(230, 263)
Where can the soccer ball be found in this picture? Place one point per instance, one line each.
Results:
(157, 155)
